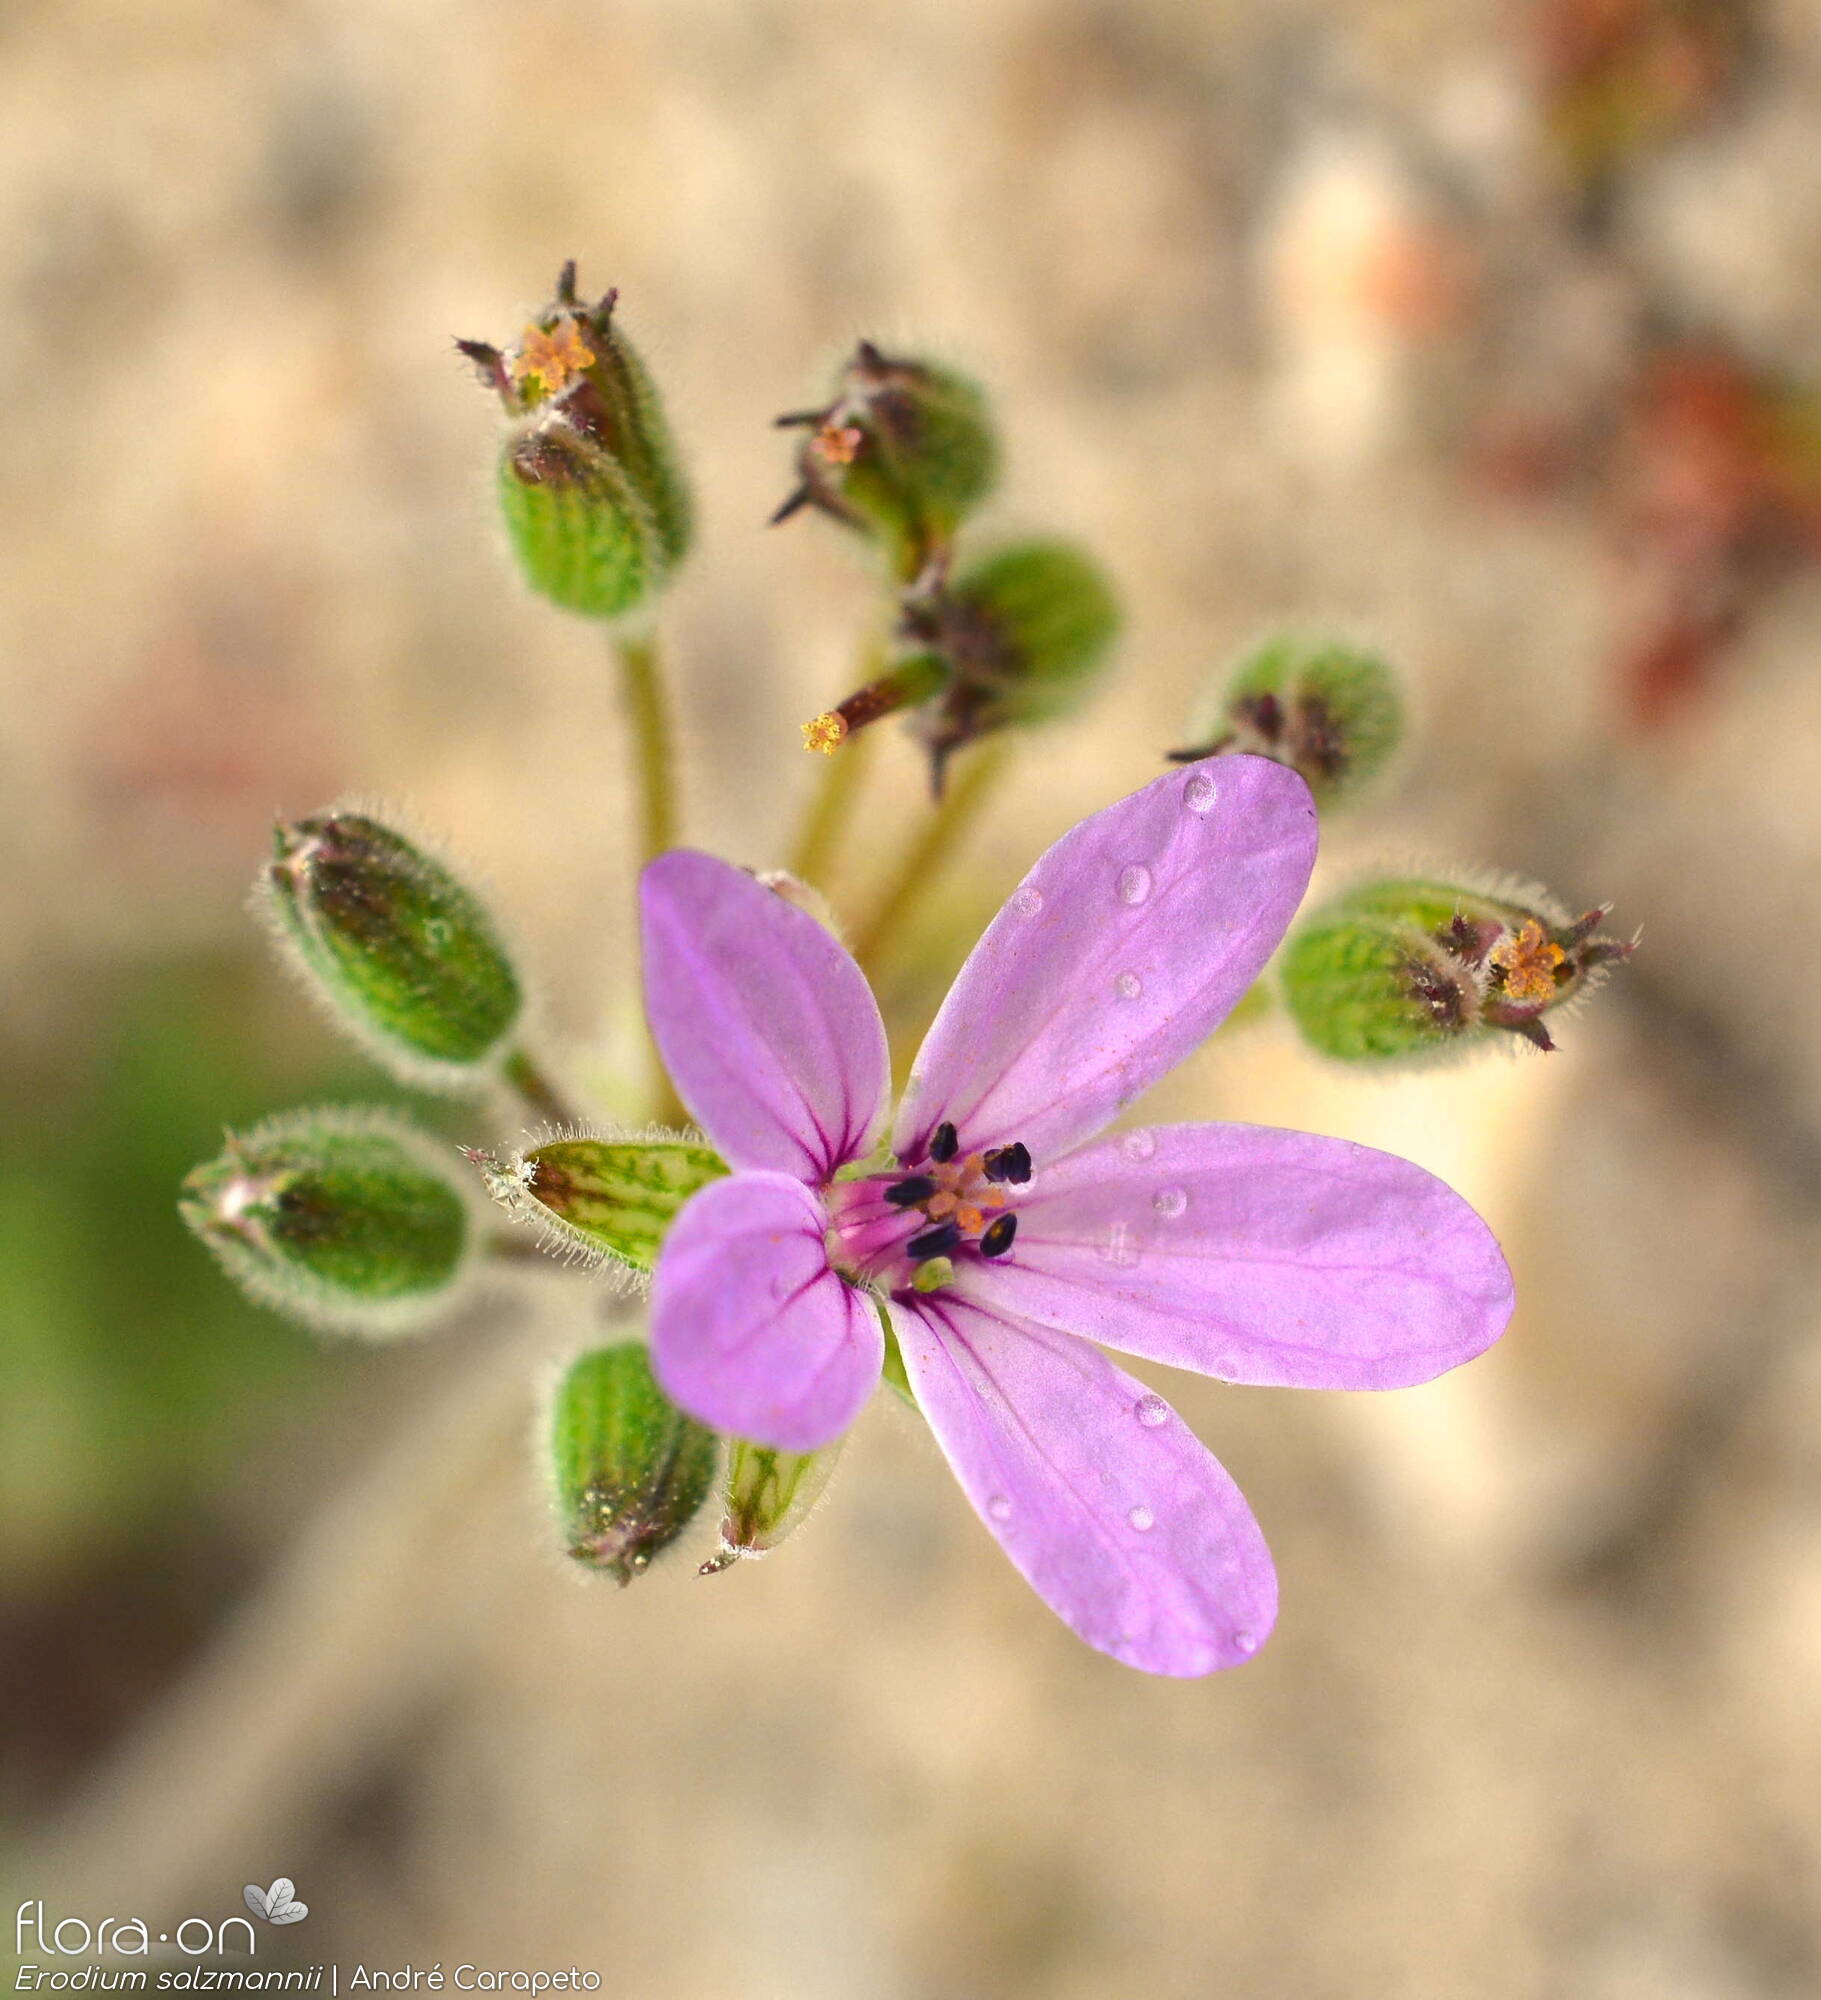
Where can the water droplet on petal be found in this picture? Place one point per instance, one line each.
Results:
(1139, 1145)
(1169, 1201)
(1151, 1411)
(999, 1507)
(1200, 792)
(1128, 986)
(1028, 901)
(1142, 1519)
(1134, 884)
(1246, 1643)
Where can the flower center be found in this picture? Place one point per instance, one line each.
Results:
(905, 1229)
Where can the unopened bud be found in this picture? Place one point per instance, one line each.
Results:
(602, 1199)
(1024, 630)
(347, 1219)
(593, 494)
(629, 1469)
(1327, 709)
(1409, 967)
(765, 1496)
(404, 955)
(904, 452)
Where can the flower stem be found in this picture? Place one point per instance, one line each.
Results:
(922, 865)
(824, 826)
(521, 1071)
(647, 702)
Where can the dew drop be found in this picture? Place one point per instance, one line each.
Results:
(1028, 901)
(1142, 1519)
(1200, 792)
(1134, 884)
(1246, 1643)
(1128, 986)
(999, 1507)
(1169, 1201)
(1139, 1145)
(1151, 1411)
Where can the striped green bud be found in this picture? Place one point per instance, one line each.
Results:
(903, 454)
(603, 1200)
(403, 954)
(766, 1496)
(347, 1219)
(1327, 709)
(629, 1470)
(1410, 967)
(593, 494)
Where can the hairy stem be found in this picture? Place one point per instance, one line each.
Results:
(922, 865)
(647, 702)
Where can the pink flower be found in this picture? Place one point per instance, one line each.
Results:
(1244, 1253)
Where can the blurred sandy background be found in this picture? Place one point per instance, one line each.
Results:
(1333, 312)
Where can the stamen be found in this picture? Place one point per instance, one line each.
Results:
(944, 1143)
(998, 1239)
(935, 1242)
(910, 1193)
(1009, 1163)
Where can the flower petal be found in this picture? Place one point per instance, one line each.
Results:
(1114, 1512)
(766, 1025)
(751, 1332)
(1123, 950)
(1255, 1255)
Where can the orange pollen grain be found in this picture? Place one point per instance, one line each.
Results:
(837, 444)
(1528, 960)
(824, 733)
(938, 1206)
(553, 356)
(968, 1216)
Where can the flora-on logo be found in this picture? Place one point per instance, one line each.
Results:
(278, 1904)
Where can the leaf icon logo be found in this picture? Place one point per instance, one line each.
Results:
(278, 1904)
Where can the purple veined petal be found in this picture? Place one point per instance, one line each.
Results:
(1122, 951)
(1257, 1256)
(1111, 1508)
(751, 1332)
(766, 1025)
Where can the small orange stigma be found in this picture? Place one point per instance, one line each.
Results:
(837, 444)
(824, 733)
(552, 357)
(1528, 960)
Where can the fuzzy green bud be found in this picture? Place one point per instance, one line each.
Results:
(591, 488)
(765, 1496)
(1329, 710)
(1025, 630)
(346, 1219)
(404, 955)
(1406, 968)
(601, 1199)
(629, 1470)
(904, 453)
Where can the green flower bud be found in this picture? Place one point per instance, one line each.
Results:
(346, 1219)
(629, 1470)
(1325, 708)
(1406, 968)
(405, 957)
(904, 452)
(601, 1199)
(1013, 638)
(765, 1496)
(593, 495)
